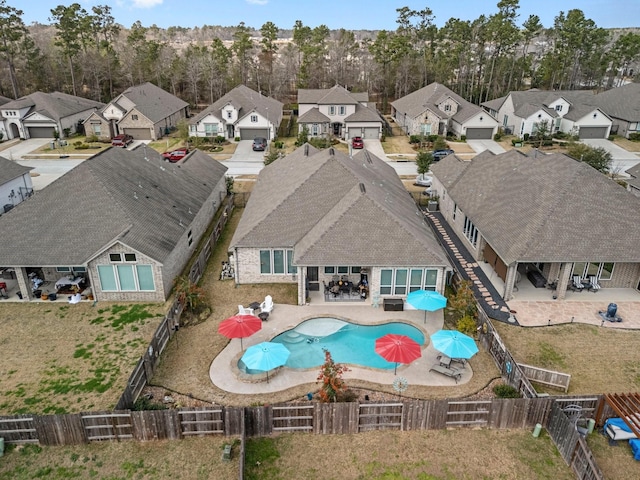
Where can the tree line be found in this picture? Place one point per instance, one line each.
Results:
(87, 53)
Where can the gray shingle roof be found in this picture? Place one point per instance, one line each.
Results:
(313, 116)
(546, 209)
(336, 95)
(333, 209)
(528, 109)
(4, 100)
(245, 101)
(153, 102)
(622, 102)
(133, 196)
(363, 114)
(10, 170)
(54, 105)
(427, 98)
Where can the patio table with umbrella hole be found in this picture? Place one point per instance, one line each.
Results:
(240, 326)
(426, 300)
(398, 349)
(265, 356)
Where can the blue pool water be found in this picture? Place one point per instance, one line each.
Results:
(348, 343)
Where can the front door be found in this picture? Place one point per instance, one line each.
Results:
(313, 279)
(336, 129)
(230, 132)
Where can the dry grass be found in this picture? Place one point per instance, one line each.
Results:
(59, 358)
(188, 459)
(627, 144)
(599, 360)
(446, 454)
(615, 461)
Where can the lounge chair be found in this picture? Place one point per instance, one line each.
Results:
(595, 286)
(267, 305)
(448, 372)
(244, 311)
(577, 284)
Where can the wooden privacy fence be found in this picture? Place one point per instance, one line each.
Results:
(572, 447)
(549, 378)
(144, 369)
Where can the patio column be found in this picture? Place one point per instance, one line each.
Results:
(302, 282)
(24, 285)
(510, 280)
(563, 280)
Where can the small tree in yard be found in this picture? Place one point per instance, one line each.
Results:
(190, 295)
(597, 157)
(462, 303)
(303, 137)
(424, 161)
(331, 377)
(440, 144)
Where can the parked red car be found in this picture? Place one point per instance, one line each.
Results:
(356, 142)
(175, 155)
(121, 140)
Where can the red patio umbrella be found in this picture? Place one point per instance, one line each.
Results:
(240, 326)
(398, 348)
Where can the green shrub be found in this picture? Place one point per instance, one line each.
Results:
(82, 146)
(516, 140)
(467, 325)
(463, 138)
(219, 139)
(414, 139)
(498, 136)
(237, 139)
(77, 144)
(145, 403)
(634, 137)
(383, 138)
(526, 137)
(432, 138)
(92, 138)
(278, 144)
(320, 143)
(505, 391)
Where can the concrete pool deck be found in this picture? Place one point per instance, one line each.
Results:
(225, 374)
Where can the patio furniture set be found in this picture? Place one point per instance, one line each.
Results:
(343, 289)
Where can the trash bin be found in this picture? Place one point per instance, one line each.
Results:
(52, 144)
(612, 309)
(19, 295)
(53, 296)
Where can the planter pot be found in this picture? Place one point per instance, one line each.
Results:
(432, 206)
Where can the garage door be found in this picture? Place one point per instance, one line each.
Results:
(479, 133)
(593, 132)
(139, 133)
(41, 132)
(251, 133)
(371, 132)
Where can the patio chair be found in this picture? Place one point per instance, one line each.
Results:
(448, 372)
(577, 284)
(267, 305)
(244, 311)
(595, 286)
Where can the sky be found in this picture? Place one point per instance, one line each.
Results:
(348, 14)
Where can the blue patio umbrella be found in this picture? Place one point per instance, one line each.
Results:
(426, 300)
(265, 356)
(454, 344)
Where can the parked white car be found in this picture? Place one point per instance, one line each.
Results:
(424, 180)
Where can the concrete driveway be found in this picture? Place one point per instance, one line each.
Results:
(480, 146)
(621, 159)
(245, 161)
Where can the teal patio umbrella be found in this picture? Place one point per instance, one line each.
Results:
(265, 356)
(426, 300)
(454, 344)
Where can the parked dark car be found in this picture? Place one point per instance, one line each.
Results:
(440, 154)
(357, 142)
(121, 140)
(259, 144)
(175, 155)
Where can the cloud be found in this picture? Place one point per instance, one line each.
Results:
(146, 3)
(257, 2)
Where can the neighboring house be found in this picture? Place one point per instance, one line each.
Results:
(45, 115)
(146, 112)
(571, 112)
(622, 105)
(3, 131)
(126, 221)
(337, 112)
(242, 113)
(521, 213)
(633, 183)
(15, 184)
(315, 214)
(437, 110)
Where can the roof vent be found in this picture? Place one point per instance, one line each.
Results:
(362, 188)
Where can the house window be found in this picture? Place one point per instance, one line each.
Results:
(97, 129)
(602, 271)
(343, 110)
(558, 108)
(210, 129)
(314, 130)
(130, 257)
(115, 257)
(505, 120)
(276, 262)
(134, 117)
(401, 281)
(470, 231)
(193, 128)
(633, 126)
(254, 118)
(355, 270)
(455, 210)
(63, 269)
(126, 278)
(332, 110)
(329, 270)
(425, 129)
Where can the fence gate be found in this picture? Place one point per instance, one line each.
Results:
(293, 418)
(468, 414)
(201, 421)
(108, 426)
(380, 416)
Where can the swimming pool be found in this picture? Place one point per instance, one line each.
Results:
(348, 343)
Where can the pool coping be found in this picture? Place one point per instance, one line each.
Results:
(226, 375)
